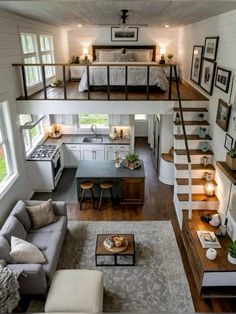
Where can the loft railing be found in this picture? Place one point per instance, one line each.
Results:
(64, 67)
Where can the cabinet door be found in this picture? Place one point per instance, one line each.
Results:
(87, 154)
(99, 154)
(72, 154)
(75, 156)
(124, 119)
(132, 190)
(123, 150)
(110, 152)
(119, 119)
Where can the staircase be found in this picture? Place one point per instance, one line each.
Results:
(181, 184)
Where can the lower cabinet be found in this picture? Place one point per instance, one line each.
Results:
(72, 154)
(123, 150)
(93, 152)
(132, 191)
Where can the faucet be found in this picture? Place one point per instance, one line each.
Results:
(94, 129)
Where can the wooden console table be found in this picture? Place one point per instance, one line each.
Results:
(214, 279)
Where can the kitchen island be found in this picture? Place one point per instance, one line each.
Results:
(128, 185)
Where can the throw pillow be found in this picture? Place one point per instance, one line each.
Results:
(25, 253)
(125, 57)
(5, 250)
(13, 227)
(42, 214)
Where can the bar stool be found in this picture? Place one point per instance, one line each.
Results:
(104, 186)
(85, 186)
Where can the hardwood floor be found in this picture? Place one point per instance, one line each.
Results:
(187, 92)
(158, 206)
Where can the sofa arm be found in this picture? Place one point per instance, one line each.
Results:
(32, 280)
(58, 207)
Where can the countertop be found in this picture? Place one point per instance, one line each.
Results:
(78, 139)
(106, 169)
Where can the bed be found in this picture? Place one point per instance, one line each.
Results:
(137, 59)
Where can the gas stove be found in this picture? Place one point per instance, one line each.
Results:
(43, 152)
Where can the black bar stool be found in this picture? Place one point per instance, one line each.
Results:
(84, 186)
(104, 186)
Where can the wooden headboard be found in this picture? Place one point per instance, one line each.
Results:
(106, 47)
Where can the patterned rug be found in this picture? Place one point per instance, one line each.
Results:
(156, 284)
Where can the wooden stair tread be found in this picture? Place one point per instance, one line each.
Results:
(182, 197)
(193, 122)
(194, 167)
(192, 152)
(193, 137)
(200, 109)
(185, 181)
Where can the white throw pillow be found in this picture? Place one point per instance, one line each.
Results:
(141, 55)
(108, 56)
(97, 52)
(25, 253)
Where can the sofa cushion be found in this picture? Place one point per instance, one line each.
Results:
(5, 250)
(20, 212)
(42, 214)
(25, 252)
(59, 225)
(13, 227)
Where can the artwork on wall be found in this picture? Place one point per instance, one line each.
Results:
(196, 64)
(210, 48)
(228, 142)
(232, 99)
(223, 115)
(207, 75)
(222, 79)
(124, 34)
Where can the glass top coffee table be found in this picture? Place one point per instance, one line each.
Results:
(102, 251)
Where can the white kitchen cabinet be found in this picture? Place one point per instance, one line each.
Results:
(93, 152)
(119, 119)
(40, 175)
(112, 149)
(72, 154)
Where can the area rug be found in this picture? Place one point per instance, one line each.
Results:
(156, 284)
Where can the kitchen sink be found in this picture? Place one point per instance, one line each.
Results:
(93, 139)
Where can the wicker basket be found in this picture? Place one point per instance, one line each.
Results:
(231, 162)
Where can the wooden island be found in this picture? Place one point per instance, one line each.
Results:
(128, 185)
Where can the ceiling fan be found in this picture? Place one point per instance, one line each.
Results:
(123, 21)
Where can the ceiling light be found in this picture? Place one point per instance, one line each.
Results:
(167, 25)
(79, 25)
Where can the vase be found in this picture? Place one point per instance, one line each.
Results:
(202, 132)
(204, 146)
(117, 164)
(211, 254)
(231, 259)
(231, 162)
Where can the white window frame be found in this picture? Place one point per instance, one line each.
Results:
(47, 52)
(99, 127)
(33, 142)
(8, 147)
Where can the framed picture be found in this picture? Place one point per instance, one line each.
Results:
(207, 75)
(223, 114)
(196, 64)
(228, 142)
(222, 79)
(126, 34)
(232, 99)
(210, 48)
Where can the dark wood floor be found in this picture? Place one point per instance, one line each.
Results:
(158, 206)
(187, 92)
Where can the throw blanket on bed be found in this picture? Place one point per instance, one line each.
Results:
(9, 288)
(137, 76)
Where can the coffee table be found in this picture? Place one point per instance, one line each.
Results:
(102, 251)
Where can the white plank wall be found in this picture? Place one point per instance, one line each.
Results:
(10, 52)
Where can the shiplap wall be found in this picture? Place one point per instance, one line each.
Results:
(10, 52)
(224, 26)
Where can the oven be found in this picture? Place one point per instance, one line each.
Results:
(57, 167)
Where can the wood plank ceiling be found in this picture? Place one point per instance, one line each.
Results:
(69, 13)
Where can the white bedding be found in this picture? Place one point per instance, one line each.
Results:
(137, 76)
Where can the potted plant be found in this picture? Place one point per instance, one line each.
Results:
(201, 117)
(231, 159)
(232, 252)
(132, 161)
(57, 83)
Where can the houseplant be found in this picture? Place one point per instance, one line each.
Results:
(232, 252)
(132, 161)
(231, 159)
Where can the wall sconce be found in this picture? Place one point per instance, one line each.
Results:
(162, 60)
(209, 188)
(85, 53)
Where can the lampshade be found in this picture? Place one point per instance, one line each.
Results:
(209, 188)
(162, 51)
(85, 51)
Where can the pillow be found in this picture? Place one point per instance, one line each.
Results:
(25, 253)
(112, 51)
(5, 250)
(126, 57)
(108, 56)
(13, 227)
(42, 214)
(22, 215)
(141, 55)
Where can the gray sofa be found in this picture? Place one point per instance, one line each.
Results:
(36, 277)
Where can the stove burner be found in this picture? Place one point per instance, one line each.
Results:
(43, 152)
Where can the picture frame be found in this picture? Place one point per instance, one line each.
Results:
(207, 75)
(223, 115)
(211, 47)
(232, 99)
(228, 142)
(196, 65)
(124, 34)
(222, 79)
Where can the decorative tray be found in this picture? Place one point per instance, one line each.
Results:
(115, 243)
(137, 165)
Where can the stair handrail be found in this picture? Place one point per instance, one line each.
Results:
(186, 145)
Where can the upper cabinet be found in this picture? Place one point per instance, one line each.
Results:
(119, 119)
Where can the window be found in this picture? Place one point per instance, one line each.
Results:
(86, 120)
(37, 53)
(6, 154)
(140, 117)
